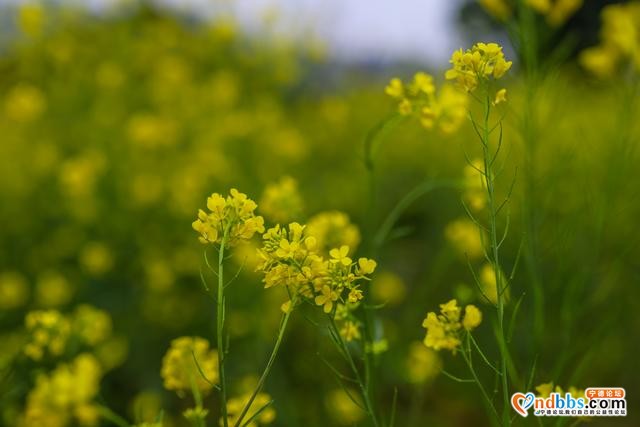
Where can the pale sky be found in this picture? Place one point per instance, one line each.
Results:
(359, 30)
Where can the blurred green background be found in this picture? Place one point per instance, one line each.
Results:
(116, 126)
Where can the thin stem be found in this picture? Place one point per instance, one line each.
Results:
(363, 389)
(267, 369)
(493, 232)
(220, 313)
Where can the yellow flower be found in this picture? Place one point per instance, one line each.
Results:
(65, 394)
(444, 110)
(489, 287)
(350, 331)
(619, 46)
(48, 333)
(499, 9)
(180, 370)
(444, 330)
(388, 288)
(501, 96)
(235, 405)
(281, 201)
(472, 317)
(92, 325)
(422, 364)
(342, 408)
(465, 237)
(482, 62)
(333, 229)
(14, 290)
(367, 266)
(326, 298)
(395, 88)
(232, 218)
(340, 255)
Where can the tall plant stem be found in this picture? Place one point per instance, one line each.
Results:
(220, 314)
(363, 389)
(267, 369)
(495, 255)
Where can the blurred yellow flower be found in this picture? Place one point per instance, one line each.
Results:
(333, 229)
(92, 325)
(53, 290)
(472, 317)
(388, 288)
(341, 407)
(48, 333)
(65, 394)
(487, 278)
(499, 9)
(235, 405)
(189, 361)
(14, 290)
(24, 103)
(422, 364)
(465, 237)
(96, 258)
(281, 202)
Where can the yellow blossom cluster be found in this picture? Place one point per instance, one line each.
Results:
(281, 202)
(65, 396)
(556, 12)
(465, 237)
(290, 259)
(422, 364)
(333, 229)
(48, 333)
(619, 41)
(444, 109)
(189, 362)
(91, 325)
(444, 330)
(230, 220)
(476, 66)
(258, 413)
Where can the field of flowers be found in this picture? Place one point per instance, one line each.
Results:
(204, 228)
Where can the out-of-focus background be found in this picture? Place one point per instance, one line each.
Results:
(119, 118)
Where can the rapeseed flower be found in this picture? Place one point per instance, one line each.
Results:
(478, 65)
(190, 363)
(281, 202)
(266, 416)
(444, 330)
(444, 109)
(231, 219)
(48, 334)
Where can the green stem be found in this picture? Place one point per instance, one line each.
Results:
(489, 180)
(267, 369)
(220, 314)
(466, 355)
(109, 415)
(363, 389)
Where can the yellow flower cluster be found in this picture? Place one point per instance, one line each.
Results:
(290, 259)
(91, 325)
(14, 291)
(281, 202)
(235, 405)
(231, 219)
(65, 396)
(422, 364)
(556, 12)
(619, 41)
(445, 109)
(444, 329)
(189, 361)
(333, 229)
(476, 66)
(48, 333)
(465, 237)
(499, 9)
